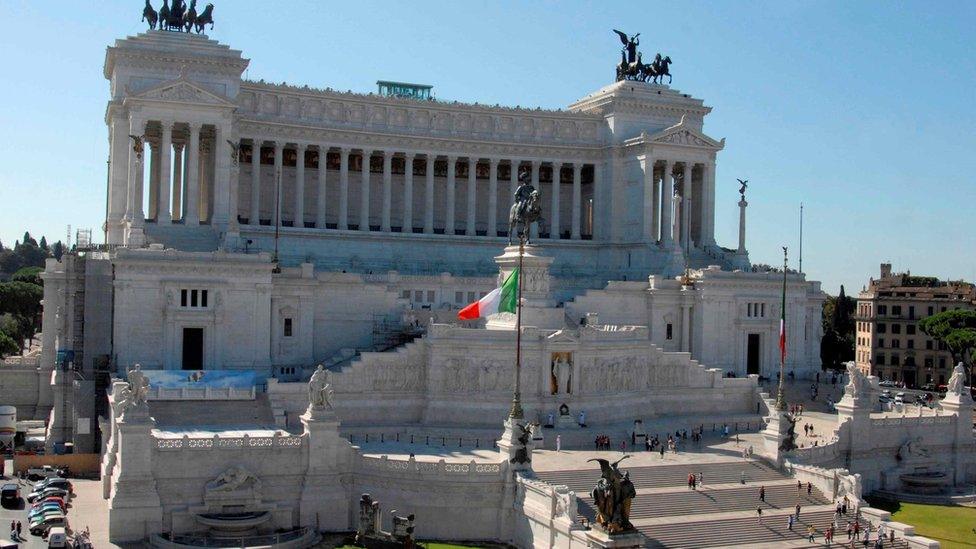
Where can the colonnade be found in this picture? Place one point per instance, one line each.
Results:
(465, 221)
(183, 168)
(679, 203)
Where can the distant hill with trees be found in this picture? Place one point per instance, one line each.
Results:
(21, 290)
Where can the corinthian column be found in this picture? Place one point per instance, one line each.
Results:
(408, 193)
(165, 171)
(255, 216)
(321, 196)
(554, 216)
(192, 197)
(470, 229)
(686, 186)
(667, 198)
(299, 215)
(343, 189)
(153, 179)
(449, 219)
(279, 161)
(178, 153)
(577, 200)
(364, 192)
(429, 195)
(387, 190)
(534, 230)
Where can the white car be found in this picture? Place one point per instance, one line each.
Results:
(900, 398)
(887, 383)
(37, 473)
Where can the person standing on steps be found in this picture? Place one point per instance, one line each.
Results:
(809, 488)
(797, 511)
(811, 533)
(789, 522)
(759, 514)
(762, 494)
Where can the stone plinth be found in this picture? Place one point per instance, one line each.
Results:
(538, 306)
(598, 538)
(324, 501)
(775, 433)
(135, 509)
(509, 446)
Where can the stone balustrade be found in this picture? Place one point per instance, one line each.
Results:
(440, 467)
(202, 393)
(232, 443)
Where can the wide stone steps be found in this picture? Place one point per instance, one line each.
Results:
(696, 502)
(582, 480)
(745, 531)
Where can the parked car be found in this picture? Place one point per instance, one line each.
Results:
(928, 387)
(9, 494)
(887, 383)
(54, 482)
(57, 537)
(39, 514)
(902, 398)
(56, 499)
(47, 492)
(42, 526)
(37, 473)
(49, 501)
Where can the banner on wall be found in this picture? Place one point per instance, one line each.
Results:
(216, 379)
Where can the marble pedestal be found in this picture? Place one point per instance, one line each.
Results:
(508, 445)
(598, 538)
(538, 306)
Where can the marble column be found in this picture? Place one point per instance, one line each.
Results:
(742, 225)
(133, 209)
(686, 188)
(178, 152)
(343, 189)
(364, 191)
(165, 172)
(429, 195)
(407, 223)
(554, 224)
(299, 215)
(320, 194)
(279, 162)
(655, 206)
(449, 218)
(647, 198)
(686, 328)
(536, 164)
(577, 200)
(470, 227)
(224, 201)
(676, 218)
(153, 205)
(492, 197)
(193, 177)
(667, 198)
(387, 191)
(255, 216)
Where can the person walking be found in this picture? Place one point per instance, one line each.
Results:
(19, 528)
(662, 451)
(850, 531)
(559, 442)
(809, 488)
(789, 522)
(799, 487)
(759, 514)
(762, 494)
(701, 479)
(811, 533)
(797, 511)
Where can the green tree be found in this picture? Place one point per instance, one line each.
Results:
(31, 275)
(7, 345)
(957, 329)
(43, 243)
(22, 301)
(837, 345)
(57, 250)
(14, 329)
(28, 240)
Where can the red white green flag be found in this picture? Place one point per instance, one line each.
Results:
(500, 300)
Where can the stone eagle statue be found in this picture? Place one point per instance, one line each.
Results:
(613, 495)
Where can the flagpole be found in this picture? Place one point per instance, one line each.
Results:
(780, 397)
(516, 412)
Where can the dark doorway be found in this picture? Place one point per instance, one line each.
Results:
(909, 377)
(192, 348)
(752, 354)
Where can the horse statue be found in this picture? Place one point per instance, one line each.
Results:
(661, 65)
(191, 16)
(205, 17)
(150, 15)
(526, 209)
(647, 72)
(164, 16)
(176, 12)
(632, 70)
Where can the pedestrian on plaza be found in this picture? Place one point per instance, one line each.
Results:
(844, 507)
(811, 533)
(662, 451)
(691, 479)
(559, 442)
(737, 439)
(857, 529)
(797, 511)
(623, 446)
(701, 479)
(809, 488)
(762, 494)
(850, 530)
(789, 522)
(19, 528)
(799, 487)
(759, 514)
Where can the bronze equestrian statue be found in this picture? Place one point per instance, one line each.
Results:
(613, 495)
(149, 15)
(526, 209)
(631, 66)
(205, 17)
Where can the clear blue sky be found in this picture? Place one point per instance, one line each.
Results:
(864, 111)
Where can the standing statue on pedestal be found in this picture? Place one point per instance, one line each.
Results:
(320, 390)
(613, 495)
(526, 209)
(743, 185)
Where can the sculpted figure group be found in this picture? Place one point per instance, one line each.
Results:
(632, 66)
(613, 495)
(178, 17)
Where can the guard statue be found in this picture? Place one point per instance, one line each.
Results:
(526, 209)
(613, 495)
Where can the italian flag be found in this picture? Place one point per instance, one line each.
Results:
(499, 300)
(782, 322)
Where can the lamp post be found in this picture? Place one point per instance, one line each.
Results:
(516, 411)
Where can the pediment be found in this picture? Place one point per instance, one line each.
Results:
(182, 90)
(685, 135)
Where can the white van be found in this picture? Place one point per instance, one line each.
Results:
(57, 537)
